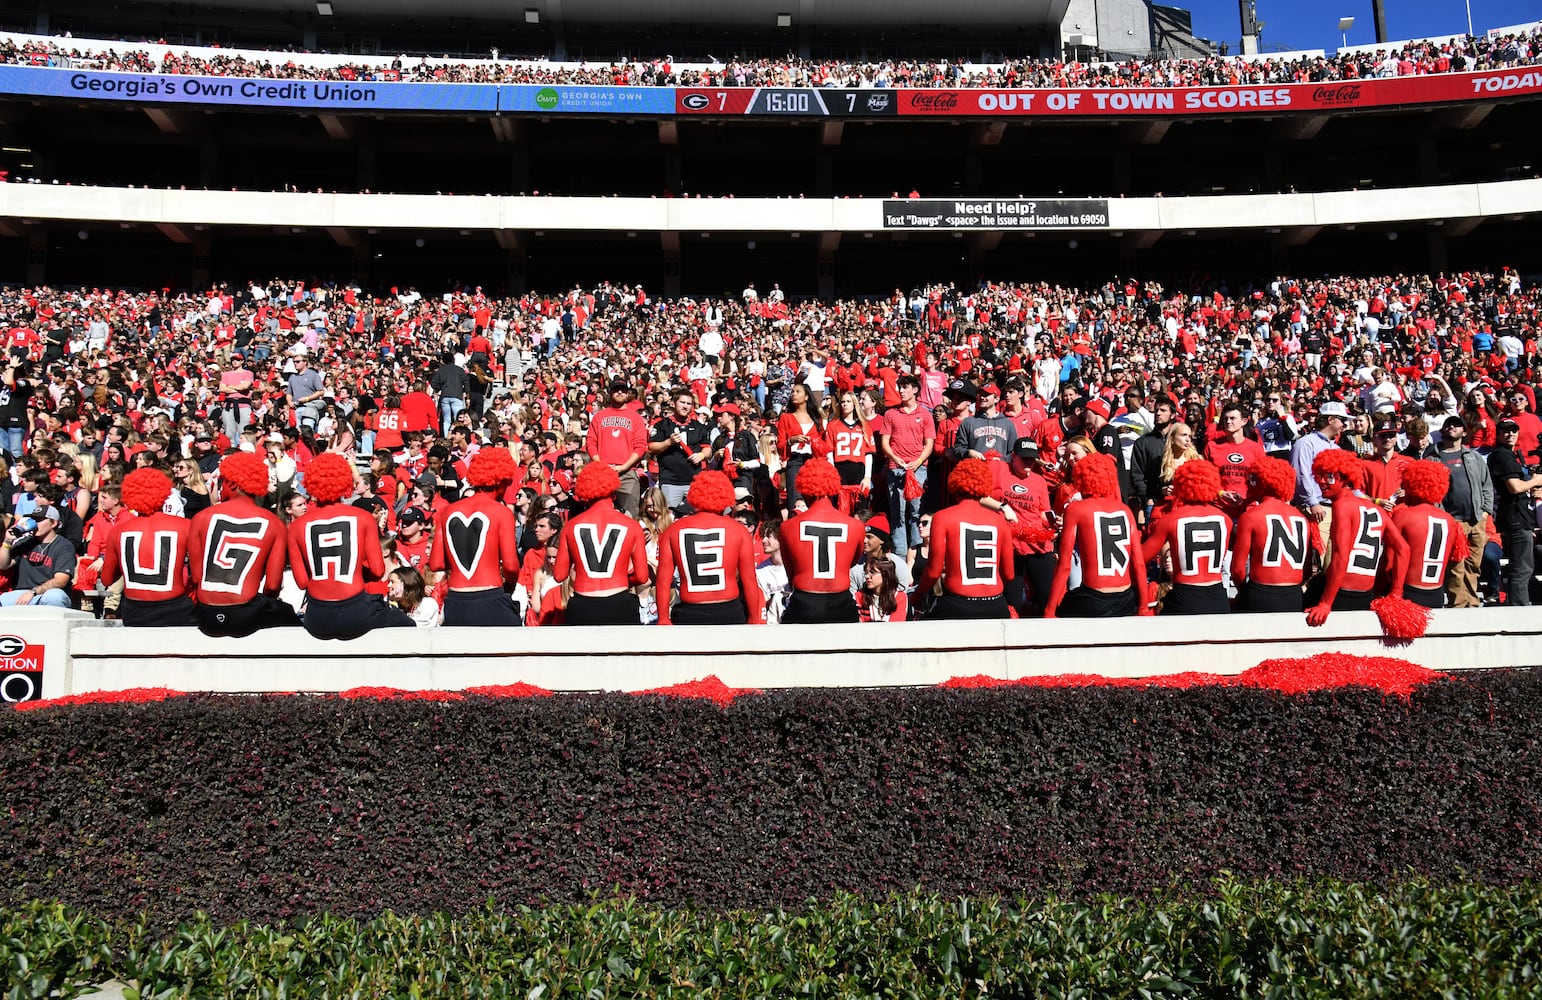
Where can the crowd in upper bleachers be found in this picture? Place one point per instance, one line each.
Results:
(1411, 58)
(896, 410)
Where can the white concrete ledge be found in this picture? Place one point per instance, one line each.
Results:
(105, 656)
(485, 213)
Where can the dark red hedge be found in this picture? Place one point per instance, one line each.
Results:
(267, 808)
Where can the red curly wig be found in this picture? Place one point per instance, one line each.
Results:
(596, 481)
(1426, 482)
(1096, 476)
(329, 478)
(144, 491)
(1340, 463)
(245, 471)
(1197, 481)
(711, 492)
(490, 468)
(971, 478)
(1274, 477)
(818, 478)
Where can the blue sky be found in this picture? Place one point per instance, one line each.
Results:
(1313, 24)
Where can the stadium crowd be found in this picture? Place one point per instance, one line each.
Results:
(1412, 58)
(599, 456)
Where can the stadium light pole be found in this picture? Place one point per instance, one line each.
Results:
(1345, 23)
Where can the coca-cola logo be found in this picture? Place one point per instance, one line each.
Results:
(941, 100)
(1344, 93)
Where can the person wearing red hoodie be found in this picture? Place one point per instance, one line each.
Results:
(604, 551)
(819, 547)
(150, 554)
(237, 553)
(334, 551)
(476, 545)
(715, 559)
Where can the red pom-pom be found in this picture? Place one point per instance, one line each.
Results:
(144, 491)
(913, 490)
(329, 478)
(1096, 475)
(850, 497)
(595, 482)
(1402, 621)
(491, 468)
(971, 478)
(818, 478)
(1031, 530)
(1274, 477)
(1426, 482)
(245, 471)
(710, 492)
(1340, 463)
(1197, 481)
(1460, 550)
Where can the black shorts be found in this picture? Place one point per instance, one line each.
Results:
(1189, 599)
(851, 475)
(1435, 599)
(157, 614)
(1262, 598)
(804, 608)
(491, 607)
(349, 619)
(952, 607)
(238, 620)
(719, 613)
(1084, 602)
(1353, 600)
(617, 609)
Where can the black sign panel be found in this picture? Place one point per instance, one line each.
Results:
(995, 213)
(861, 103)
(801, 101)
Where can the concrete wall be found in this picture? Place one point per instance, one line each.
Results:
(488, 212)
(86, 655)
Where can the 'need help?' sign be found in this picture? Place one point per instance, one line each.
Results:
(21, 669)
(995, 213)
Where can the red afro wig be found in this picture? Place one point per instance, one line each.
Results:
(596, 481)
(144, 491)
(245, 471)
(1340, 463)
(329, 478)
(1197, 481)
(1274, 477)
(490, 468)
(711, 492)
(971, 478)
(1426, 482)
(1096, 476)
(818, 478)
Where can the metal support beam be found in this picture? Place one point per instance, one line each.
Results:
(173, 232)
(669, 134)
(170, 120)
(983, 243)
(1151, 133)
(338, 127)
(987, 133)
(9, 230)
(830, 133)
(669, 242)
(504, 129)
(509, 240)
(1144, 240)
(1305, 127)
(829, 243)
(1461, 227)
(1300, 236)
(1465, 118)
